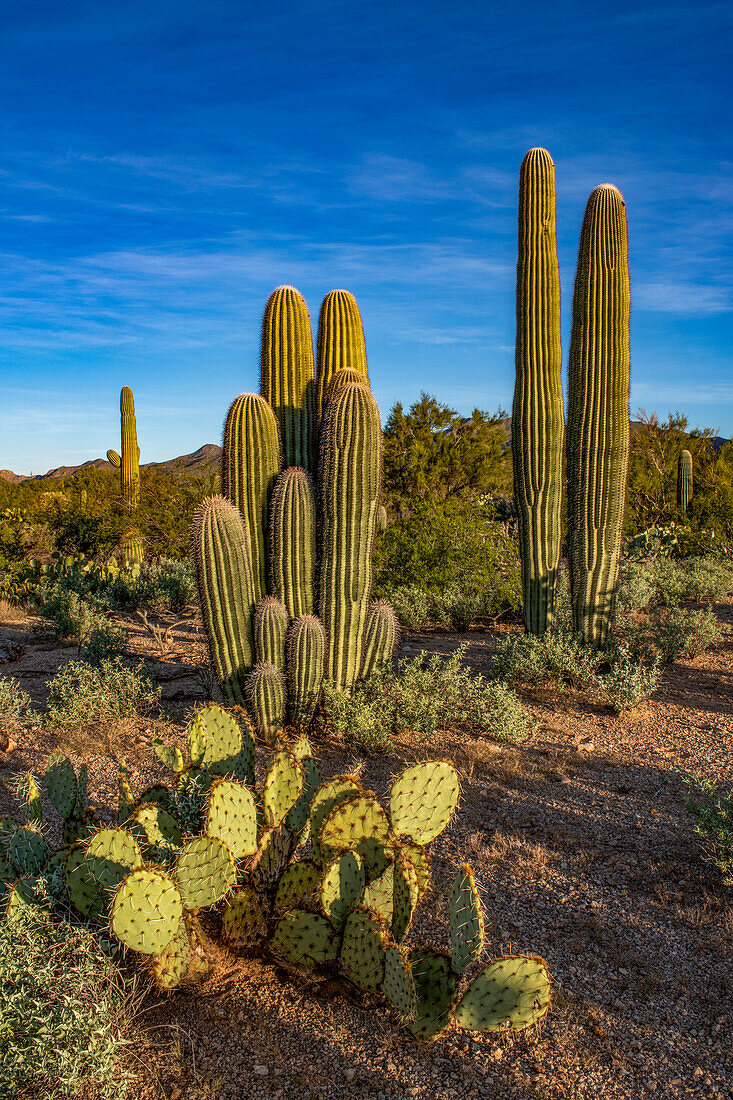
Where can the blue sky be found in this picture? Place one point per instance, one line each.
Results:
(163, 166)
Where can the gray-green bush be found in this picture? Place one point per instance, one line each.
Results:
(82, 694)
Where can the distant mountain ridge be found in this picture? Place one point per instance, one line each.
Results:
(200, 461)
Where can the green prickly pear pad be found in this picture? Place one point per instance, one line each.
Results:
(125, 800)
(81, 885)
(301, 748)
(27, 850)
(219, 743)
(231, 816)
(379, 894)
(466, 916)
(399, 985)
(29, 797)
(420, 860)
(244, 924)
(283, 786)
(110, 856)
(334, 791)
(147, 911)
(422, 800)
(366, 935)
(342, 887)
(436, 986)
(358, 825)
(513, 992)
(205, 872)
(170, 967)
(170, 756)
(273, 856)
(297, 887)
(304, 939)
(60, 780)
(405, 896)
(297, 818)
(24, 892)
(156, 831)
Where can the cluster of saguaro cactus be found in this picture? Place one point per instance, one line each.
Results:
(284, 558)
(212, 841)
(128, 463)
(597, 441)
(684, 480)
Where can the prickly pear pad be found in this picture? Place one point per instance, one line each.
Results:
(513, 992)
(244, 924)
(336, 790)
(304, 939)
(231, 816)
(29, 797)
(297, 888)
(357, 825)
(283, 786)
(222, 744)
(379, 894)
(422, 800)
(82, 887)
(436, 989)
(170, 756)
(298, 815)
(157, 831)
(342, 887)
(111, 855)
(366, 935)
(273, 855)
(170, 967)
(27, 850)
(60, 779)
(405, 896)
(466, 917)
(420, 860)
(399, 985)
(146, 911)
(205, 872)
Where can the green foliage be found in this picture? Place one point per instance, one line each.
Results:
(557, 659)
(424, 695)
(15, 703)
(628, 683)
(61, 1010)
(682, 633)
(104, 641)
(81, 694)
(713, 813)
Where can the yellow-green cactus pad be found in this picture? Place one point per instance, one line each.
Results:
(170, 967)
(205, 872)
(436, 986)
(366, 936)
(297, 887)
(244, 924)
(60, 780)
(379, 894)
(511, 993)
(147, 911)
(342, 887)
(27, 849)
(420, 860)
(111, 855)
(334, 791)
(398, 985)
(283, 787)
(223, 744)
(466, 916)
(273, 855)
(29, 797)
(170, 756)
(405, 896)
(423, 799)
(357, 825)
(157, 831)
(304, 939)
(298, 814)
(231, 816)
(82, 887)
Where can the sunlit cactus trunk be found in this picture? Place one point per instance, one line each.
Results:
(128, 461)
(293, 542)
(350, 482)
(684, 480)
(341, 344)
(598, 412)
(538, 421)
(287, 375)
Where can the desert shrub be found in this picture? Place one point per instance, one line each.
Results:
(165, 585)
(104, 641)
(713, 813)
(556, 659)
(62, 1007)
(15, 703)
(668, 580)
(636, 588)
(424, 695)
(458, 606)
(82, 693)
(67, 616)
(627, 684)
(679, 632)
(707, 578)
(412, 606)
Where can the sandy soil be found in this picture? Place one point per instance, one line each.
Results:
(584, 854)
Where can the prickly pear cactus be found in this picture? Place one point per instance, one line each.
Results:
(466, 920)
(512, 992)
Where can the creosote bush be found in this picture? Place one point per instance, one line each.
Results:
(15, 703)
(556, 660)
(682, 633)
(82, 694)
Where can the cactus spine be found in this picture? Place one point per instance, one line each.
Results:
(380, 638)
(598, 412)
(266, 693)
(128, 462)
(250, 462)
(293, 541)
(350, 482)
(306, 649)
(538, 421)
(340, 342)
(684, 480)
(270, 628)
(286, 380)
(226, 587)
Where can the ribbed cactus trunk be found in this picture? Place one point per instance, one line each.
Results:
(226, 587)
(287, 375)
(538, 420)
(341, 343)
(270, 629)
(293, 542)
(684, 480)
(350, 481)
(250, 462)
(130, 454)
(598, 412)
(306, 649)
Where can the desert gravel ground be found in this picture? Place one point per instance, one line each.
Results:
(584, 854)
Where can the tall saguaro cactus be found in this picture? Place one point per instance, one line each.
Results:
(128, 461)
(684, 480)
(341, 343)
(250, 462)
(350, 482)
(598, 412)
(293, 541)
(538, 420)
(287, 374)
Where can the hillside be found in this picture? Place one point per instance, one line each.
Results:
(198, 461)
